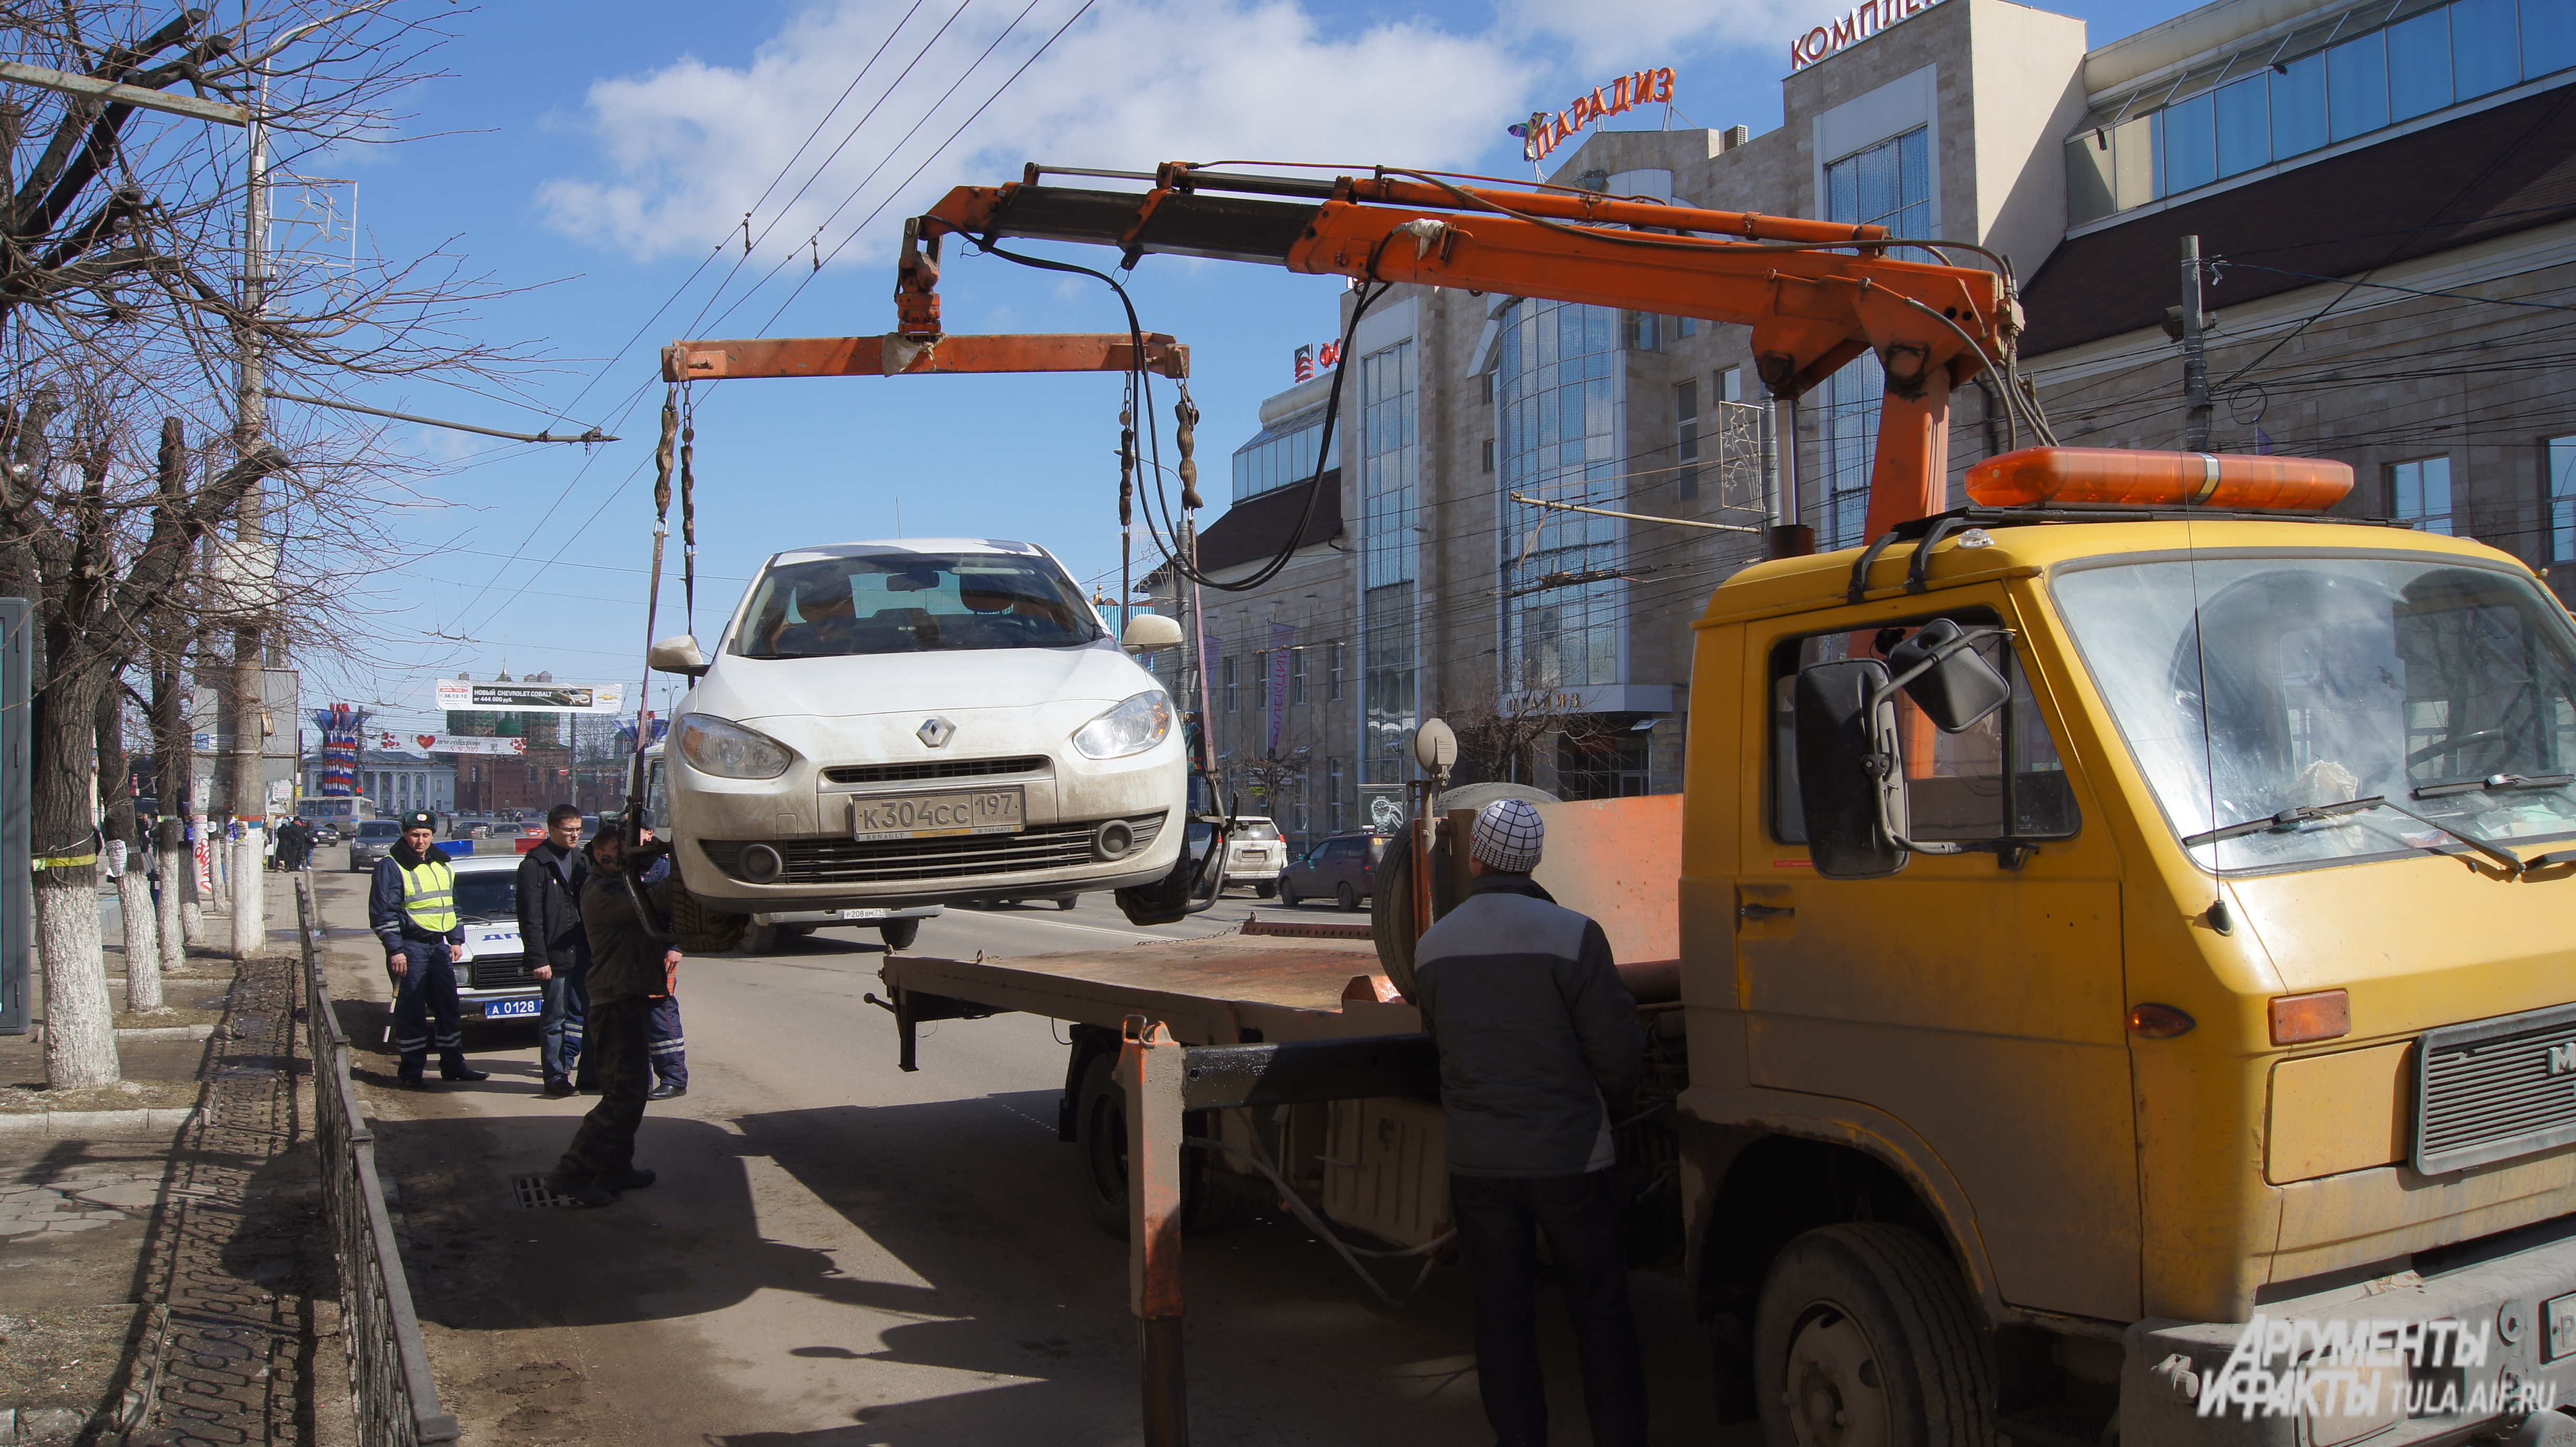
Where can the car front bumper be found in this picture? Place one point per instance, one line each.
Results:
(2508, 1301)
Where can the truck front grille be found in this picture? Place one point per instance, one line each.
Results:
(848, 861)
(2495, 1089)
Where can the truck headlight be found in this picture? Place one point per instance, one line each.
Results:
(1130, 728)
(730, 751)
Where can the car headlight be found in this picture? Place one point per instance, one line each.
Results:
(1130, 728)
(730, 751)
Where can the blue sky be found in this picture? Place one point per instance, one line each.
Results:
(596, 156)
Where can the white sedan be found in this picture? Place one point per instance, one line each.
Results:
(920, 721)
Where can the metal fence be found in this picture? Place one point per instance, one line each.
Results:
(389, 1380)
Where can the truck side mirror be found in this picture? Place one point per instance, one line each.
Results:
(1147, 632)
(1947, 677)
(678, 654)
(1851, 784)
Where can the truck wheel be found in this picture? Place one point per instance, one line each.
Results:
(1100, 1146)
(1864, 1338)
(759, 939)
(1347, 897)
(899, 934)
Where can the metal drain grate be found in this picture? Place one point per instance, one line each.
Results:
(532, 1193)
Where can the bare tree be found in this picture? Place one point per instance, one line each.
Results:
(133, 890)
(137, 287)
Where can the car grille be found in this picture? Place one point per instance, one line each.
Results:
(2495, 1089)
(939, 769)
(501, 973)
(848, 861)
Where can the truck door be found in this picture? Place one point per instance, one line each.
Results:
(1975, 998)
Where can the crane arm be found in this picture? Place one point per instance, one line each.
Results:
(1811, 308)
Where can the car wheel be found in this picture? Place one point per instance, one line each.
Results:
(899, 934)
(1347, 897)
(1863, 1333)
(1287, 894)
(759, 939)
(1264, 891)
(1067, 902)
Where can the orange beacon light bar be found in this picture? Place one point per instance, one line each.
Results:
(2123, 477)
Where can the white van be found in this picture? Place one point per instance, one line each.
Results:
(919, 721)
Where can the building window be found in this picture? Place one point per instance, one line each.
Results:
(1730, 384)
(2420, 493)
(1685, 327)
(1333, 671)
(1643, 332)
(1333, 793)
(1564, 390)
(1284, 454)
(1489, 455)
(1261, 682)
(1296, 675)
(1486, 378)
(1225, 670)
(2559, 457)
(1389, 463)
(1686, 435)
(1888, 184)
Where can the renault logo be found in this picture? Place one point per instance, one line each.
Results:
(936, 732)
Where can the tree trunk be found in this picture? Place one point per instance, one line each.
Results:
(133, 891)
(174, 784)
(80, 1024)
(171, 839)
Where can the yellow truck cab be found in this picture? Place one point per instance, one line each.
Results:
(2219, 967)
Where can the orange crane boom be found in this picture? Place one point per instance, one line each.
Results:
(1816, 294)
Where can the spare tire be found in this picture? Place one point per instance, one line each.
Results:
(1391, 893)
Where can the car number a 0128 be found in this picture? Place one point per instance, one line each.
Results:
(933, 816)
(505, 1009)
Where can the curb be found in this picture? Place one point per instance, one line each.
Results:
(167, 1032)
(89, 1122)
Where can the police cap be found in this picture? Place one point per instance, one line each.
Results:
(419, 819)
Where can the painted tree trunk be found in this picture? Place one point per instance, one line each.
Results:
(142, 938)
(250, 914)
(80, 1025)
(176, 867)
(133, 886)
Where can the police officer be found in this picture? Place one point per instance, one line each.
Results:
(412, 908)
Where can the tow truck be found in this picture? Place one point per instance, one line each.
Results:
(2109, 969)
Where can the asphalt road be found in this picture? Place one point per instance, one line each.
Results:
(839, 1253)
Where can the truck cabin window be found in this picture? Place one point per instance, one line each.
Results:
(2304, 682)
(1999, 779)
(912, 603)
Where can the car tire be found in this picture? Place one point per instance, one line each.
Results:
(1287, 894)
(1870, 1321)
(899, 934)
(1347, 897)
(1067, 902)
(794, 931)
(759, 939)
(1264, 891)
(700, 930)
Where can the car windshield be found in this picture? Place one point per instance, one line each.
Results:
(1255, 829)
(2308, 681)
(386, 829)
(488, 896)
(905, 602)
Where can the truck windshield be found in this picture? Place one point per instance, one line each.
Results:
(2309, 681)
(912, 603)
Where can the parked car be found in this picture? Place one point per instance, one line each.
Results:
(916, 722)
(1254, 855)
(373, 839)
(495, 983)
(1342, 869)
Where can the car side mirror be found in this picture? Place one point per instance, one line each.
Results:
(1149, 632)
(1851, 774)
(678, 654)
(1942, 671)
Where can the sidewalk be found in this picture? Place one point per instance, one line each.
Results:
(164, 1276)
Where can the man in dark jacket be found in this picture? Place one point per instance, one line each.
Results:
(1539, 1046)
(412, 908)
(550, 880)
(633, 962)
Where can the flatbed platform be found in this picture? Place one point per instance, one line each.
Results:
(1223, 990)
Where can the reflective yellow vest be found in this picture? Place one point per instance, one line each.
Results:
(429, 897)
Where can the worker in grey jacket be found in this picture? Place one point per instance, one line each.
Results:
(1539, 1048)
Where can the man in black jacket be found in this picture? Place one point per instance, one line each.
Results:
(550, 880)
(1539, 1051)
(634, 962)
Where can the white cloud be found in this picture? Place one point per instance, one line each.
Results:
(688, 148)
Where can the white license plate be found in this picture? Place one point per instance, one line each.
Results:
(935, 816)
(504, 1009)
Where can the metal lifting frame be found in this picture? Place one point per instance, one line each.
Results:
(1816, 294)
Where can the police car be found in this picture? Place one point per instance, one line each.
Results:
(495, 983)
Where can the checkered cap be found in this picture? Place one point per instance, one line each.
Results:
(1508, 836)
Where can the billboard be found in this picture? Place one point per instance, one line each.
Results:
(466, 695)
(450, 744)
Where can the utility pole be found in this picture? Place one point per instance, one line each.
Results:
(2195, 353)
(251, 571)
